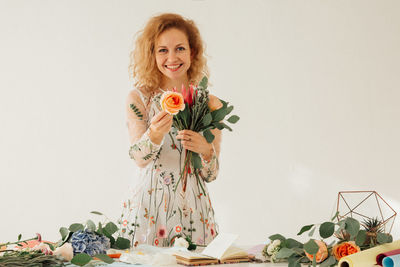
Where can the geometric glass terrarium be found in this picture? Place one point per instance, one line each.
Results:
(368, 207)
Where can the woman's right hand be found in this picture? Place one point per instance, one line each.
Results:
(160, 125)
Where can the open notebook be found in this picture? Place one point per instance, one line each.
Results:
(220, 250)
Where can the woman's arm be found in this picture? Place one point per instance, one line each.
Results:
(146, 138)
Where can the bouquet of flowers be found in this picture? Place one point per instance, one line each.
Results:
(350, 239)
(191, 111)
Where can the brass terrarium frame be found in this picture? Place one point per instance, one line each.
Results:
(353, 210)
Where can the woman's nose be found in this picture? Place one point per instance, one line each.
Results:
(172, 56)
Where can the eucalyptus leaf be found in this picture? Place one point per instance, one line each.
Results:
(122, 243)
(219, 114)
(229, 109)
(64, 232)
(209, 136)
(284, 253)
(96, 212)
(207, 119)
(233, 119)
(305, 229)
(277, 237)
(111, 228)
(204, 82)
(352, 226)
(382, 238)
(226, 126)
(81, 259)
(19, 237)
(294, 261)
(291, 243)
(196, 161)
(104, 258)
(328, 262)
(326, 229)
(90, 225)
(334, 216)
(76, 227)
(361, 237)
(311, 247)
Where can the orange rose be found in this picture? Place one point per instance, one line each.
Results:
(172, 102)
(322, 253)
(344, 249)
(214, 103)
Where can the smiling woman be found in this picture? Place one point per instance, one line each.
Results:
(161, 208)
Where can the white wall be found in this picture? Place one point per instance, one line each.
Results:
(316, 84)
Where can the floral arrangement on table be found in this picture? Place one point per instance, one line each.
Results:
(348, 236)
(192, 110)
(79, 244)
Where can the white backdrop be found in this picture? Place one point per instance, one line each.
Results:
(316, 84)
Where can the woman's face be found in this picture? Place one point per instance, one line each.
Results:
(173, 54)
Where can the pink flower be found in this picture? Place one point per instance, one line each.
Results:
(162, 231)
(156, 242)
(188, 94)
(125, 223)
(66, 251)
(167, 180)
(178, 229)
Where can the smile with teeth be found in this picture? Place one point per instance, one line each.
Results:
(173, 67)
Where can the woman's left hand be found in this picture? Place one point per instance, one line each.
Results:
(195, 142)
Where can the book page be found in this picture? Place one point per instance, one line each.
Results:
(219, 245)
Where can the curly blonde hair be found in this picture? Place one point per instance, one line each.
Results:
(143, 67)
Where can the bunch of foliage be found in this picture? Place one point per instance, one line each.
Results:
(344, 230)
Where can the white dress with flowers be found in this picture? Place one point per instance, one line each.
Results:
(155, 213)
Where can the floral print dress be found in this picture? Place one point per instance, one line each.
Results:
(155, 213)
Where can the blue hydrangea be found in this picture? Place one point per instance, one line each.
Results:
(89, 242)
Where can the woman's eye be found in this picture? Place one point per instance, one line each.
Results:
(162, 50)
(180, 48)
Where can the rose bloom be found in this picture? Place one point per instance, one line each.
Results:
(322, 253)
(66, 251)
(172, 102)
(344, 249)
(162, 231)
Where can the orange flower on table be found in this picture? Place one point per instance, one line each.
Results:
(172, 102)
(322, 253)
(344, 249)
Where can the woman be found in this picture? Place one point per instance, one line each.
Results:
(167, 55)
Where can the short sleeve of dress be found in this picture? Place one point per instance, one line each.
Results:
(142, 150)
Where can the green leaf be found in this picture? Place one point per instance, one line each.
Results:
(19, 237)
(111, 228)
(203, 83)
(229, 110)
(64, 232)
(311, 247)
(291, 243)
(226, 126)
(326, 229)
(81, 259)
(361, 237)
(122, 243)
(305, 229)
(382, 238)
(284, 253)
(352, 226)
(334, 217)
(233, 119)
(196, 161)
(219, 114)
(328, 262)
(104, 258)
(207, 119)
(96, 212)
(100, 229)
(294, 264)
(76, 227)
(277, 236)
(311, 233)
(51, 246)
(209, 136)
(294, 261)
(90, 225)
